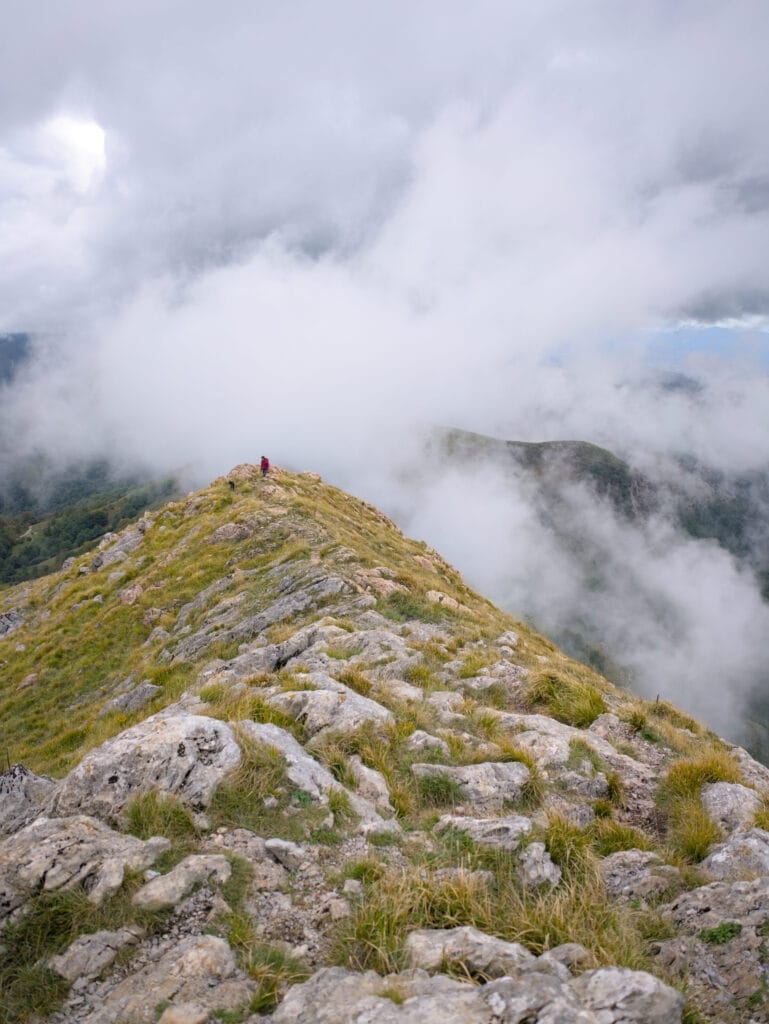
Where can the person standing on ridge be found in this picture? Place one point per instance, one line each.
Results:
(265, 465)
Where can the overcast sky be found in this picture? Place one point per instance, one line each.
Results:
(313, 228)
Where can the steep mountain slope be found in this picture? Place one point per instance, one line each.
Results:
(267, 738)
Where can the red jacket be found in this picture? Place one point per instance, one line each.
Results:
(265, 464)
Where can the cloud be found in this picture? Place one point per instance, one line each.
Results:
(316, 229)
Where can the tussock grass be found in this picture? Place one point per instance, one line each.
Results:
(156, 814)
(690, 829)
(239, 802)
(403, 900)
(569, 700)
(356, 680)
(609, 837)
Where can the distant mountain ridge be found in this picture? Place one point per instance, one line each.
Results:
(704, 502)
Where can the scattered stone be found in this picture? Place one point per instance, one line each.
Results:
(168, 890)
(28, 681)
(438, 597)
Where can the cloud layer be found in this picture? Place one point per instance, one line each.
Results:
(315, 229)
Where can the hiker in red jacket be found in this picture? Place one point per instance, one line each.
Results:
(265, 465)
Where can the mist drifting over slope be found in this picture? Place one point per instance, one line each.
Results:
(315, 231)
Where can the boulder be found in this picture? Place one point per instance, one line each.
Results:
(290, 855)
(420, 740)
(730, 805)
(497, 833)
(166, 891)
(372, 785)
(327, 711)
(172, 752)
(488, 786)
(744, 853)
(620, 996)
(482, 954)
(198, 971)
(90, 954)
(637, 875)
(536, 868)
(133, 700)
(22, 794)
(60, 853)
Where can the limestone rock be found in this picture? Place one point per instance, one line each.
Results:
(327, 711)
(198, 971)
(497, 833)
(372, 785)
(168, 890)
(134, 700)
(637, 875)
(173, 752)
(744, 853)
(290, 855)
(488, 786)
(420, 740)
(22, 794)
(536, 867)
(431, 948)
(303, 770)
(730, 805)
(58, 853)
(720, 948)
(90, 954)
(622, 996)
(267, 873)
(10, 621)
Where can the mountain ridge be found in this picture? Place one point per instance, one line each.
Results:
(271, 743)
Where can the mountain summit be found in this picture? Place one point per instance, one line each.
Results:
(268, 756)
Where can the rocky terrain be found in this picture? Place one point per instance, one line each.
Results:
(268, 759)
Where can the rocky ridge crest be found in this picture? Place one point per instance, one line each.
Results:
(280, 762)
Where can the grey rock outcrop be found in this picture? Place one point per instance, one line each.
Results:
(621, 996)
(535, 867)
(497, 833)
(168, 890)
(90, 954)
(488, 786)
(58, 853)
(638, 875)
(482, 954)
(199, 971)
(172, 752)
(22, 794)
(133, 700)
(328, 711)
(10, 621)
(744, 853)
(730, 805)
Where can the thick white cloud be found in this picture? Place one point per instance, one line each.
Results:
(313, 229)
